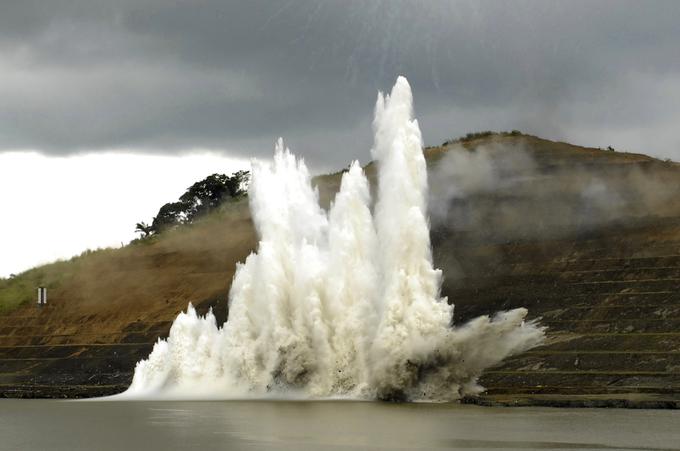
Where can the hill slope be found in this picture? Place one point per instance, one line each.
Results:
(585, 238)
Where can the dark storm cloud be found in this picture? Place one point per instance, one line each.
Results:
(172, 76)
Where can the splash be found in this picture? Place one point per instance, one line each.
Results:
(339, 304)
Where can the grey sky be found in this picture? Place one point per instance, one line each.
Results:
(174, 76)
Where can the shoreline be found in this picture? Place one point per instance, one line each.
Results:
(622, 401)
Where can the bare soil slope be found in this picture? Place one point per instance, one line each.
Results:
(606, 282)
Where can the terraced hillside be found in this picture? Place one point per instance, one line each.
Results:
(611, 302)
(604, 277)
(587, 239)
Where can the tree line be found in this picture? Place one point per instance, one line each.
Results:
(198, 200)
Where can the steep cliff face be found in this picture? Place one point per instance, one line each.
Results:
(587, 239)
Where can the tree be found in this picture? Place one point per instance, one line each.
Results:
(238, 183)
(145, 229)
(169, 216)
(198, 200)
(203, 197)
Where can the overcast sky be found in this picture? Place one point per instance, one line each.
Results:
(172, 78)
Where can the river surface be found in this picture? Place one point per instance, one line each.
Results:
(28, 425)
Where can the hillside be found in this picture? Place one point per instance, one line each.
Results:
(587, 239)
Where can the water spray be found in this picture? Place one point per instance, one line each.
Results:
(344, 303)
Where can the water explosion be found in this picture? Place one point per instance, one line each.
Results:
(344, 303)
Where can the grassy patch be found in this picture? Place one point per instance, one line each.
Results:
(23, 288)
(15, 291)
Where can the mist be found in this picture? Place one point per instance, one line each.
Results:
(499, 191)
(339, 303)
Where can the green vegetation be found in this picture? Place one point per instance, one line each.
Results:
(199, 200)
(21, 288)
(16, 291)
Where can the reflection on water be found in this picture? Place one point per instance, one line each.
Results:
(256, 425)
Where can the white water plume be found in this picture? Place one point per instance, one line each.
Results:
(339, 304)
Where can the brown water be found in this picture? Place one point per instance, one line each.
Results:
(263, 425)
